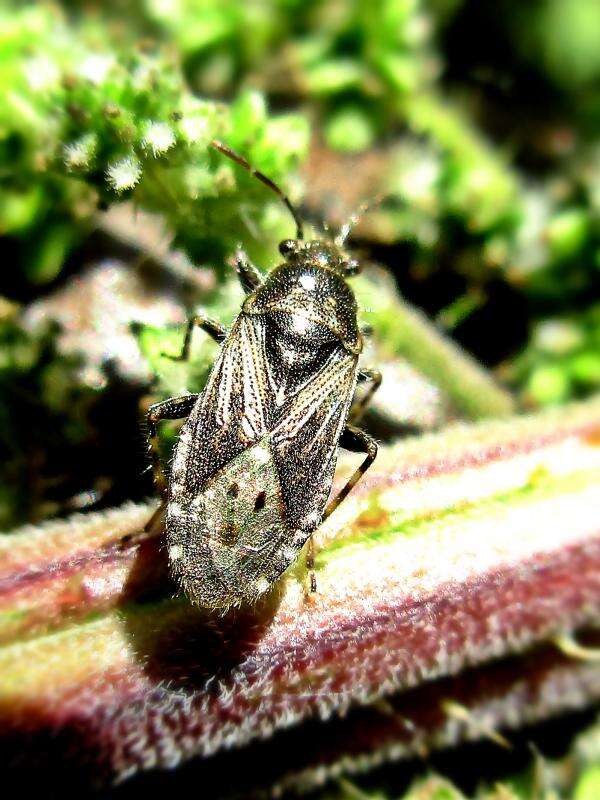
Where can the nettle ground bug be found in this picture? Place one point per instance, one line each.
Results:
(253, 466)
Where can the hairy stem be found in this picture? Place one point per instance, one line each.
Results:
(459, 549)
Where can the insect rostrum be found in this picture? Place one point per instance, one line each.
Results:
(253, 467)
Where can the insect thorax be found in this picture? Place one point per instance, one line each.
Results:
(313, 303)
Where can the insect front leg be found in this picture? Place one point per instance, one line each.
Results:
(357, 441)
(173, 408)
(360, 406)
(249, 275)
(214, 329)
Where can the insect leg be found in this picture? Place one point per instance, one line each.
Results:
(214, 329)
(357, 441)
(359, 406)
(310, 565)
(249, 275)
(173, 408)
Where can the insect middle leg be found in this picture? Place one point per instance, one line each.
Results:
(360, 406)
(214, 329)
(357, 441)
(173, 408)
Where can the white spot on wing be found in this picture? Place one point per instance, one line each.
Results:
(185, 437)
(175, 510)
(261, 454)
(262, 584)
(175, 552)
(314, 518)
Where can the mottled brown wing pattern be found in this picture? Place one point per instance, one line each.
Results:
(232, 541)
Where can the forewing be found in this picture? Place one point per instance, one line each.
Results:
(233, 413)
(305, 439)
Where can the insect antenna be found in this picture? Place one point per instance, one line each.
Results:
(356, 216)
(227, 151)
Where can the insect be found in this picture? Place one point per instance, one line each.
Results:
(254, 463)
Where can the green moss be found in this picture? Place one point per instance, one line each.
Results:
(349, 130)
(561, 360)
(81, 122)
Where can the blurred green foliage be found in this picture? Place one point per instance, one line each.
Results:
(99, 105)
(44, 413)
(83, 123)
(354, 60)
(560, 40)
(562, 359)
(370, 70)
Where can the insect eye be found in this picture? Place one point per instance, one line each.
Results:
(259, 503)
(287, 247)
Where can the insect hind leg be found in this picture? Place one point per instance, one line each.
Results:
(357, 441)
(173, 408)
